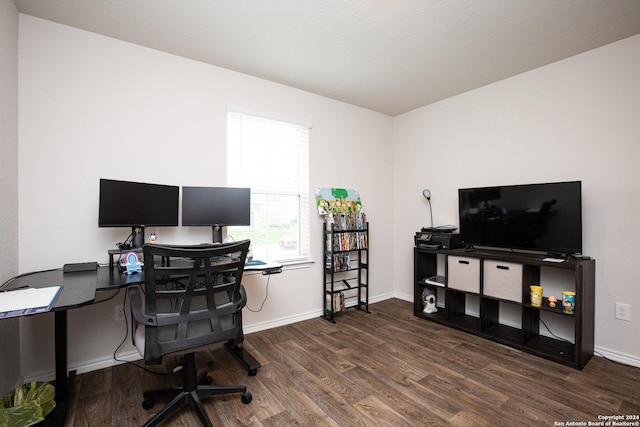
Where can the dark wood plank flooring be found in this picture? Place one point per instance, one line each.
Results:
(386, 368)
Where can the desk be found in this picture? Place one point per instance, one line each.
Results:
(78, 290)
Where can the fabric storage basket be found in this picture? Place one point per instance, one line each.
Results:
(502, 280)
(463, 274)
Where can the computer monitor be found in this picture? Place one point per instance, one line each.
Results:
(136, 205)
(216, 207)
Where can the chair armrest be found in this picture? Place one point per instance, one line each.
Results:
(135, 300)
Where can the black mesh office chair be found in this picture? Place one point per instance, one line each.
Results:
(193, 297)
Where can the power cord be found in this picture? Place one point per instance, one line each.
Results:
(109, 298)
(567, 341)
(554, 335)
(266, 295)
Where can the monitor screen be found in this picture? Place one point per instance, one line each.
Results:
(216, 206)
(135, 204)
(539, 217)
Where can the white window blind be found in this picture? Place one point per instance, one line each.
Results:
(272, 158)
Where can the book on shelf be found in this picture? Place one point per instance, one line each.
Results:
(350, 241)
(337, 300)
(346, 221)
(338, 262)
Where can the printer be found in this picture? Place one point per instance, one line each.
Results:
(438, 238)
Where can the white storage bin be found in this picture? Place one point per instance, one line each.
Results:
(463, 274)
(502, 280)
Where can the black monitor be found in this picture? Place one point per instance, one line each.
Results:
(216, 207)
(136, 205)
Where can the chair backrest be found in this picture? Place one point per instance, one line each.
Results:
(196, 295)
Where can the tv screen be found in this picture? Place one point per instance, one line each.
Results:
(216, 206)
(538, 217)
(135, 204)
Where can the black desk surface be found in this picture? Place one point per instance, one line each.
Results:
(78, 288)
(113, 279)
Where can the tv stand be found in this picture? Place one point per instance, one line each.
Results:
(486, 293)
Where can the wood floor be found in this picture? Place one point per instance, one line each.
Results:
(386, 368)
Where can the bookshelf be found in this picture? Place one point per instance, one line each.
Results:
(486, 293)
(346, 264)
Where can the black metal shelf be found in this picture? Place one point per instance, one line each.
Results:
(352, 281)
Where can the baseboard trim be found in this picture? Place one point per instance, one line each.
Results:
(616, 356)
(257, 327)
(88, 366)
(404, 297)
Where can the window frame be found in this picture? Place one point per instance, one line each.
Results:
(236, 160)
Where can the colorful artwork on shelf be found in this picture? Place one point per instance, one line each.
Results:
(337, 200)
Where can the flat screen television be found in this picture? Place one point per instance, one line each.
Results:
(538, 217)
(136, 205)
(216, 207)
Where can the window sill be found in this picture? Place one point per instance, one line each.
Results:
(296, 264)
(287, 265)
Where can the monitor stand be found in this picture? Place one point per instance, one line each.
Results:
(217, 234)
(137, 237)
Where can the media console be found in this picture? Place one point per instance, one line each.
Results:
(486, 293)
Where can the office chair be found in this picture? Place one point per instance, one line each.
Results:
(193, 297)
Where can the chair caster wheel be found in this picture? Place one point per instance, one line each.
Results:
(246, 398)
(205, 379)
(252, 372)
(148, 403)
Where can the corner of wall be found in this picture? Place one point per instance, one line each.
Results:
(9, 329)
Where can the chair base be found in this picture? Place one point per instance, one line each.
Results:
(191, 394)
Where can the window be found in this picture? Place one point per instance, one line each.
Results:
(272, 158)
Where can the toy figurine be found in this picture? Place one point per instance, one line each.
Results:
(552, 301)
(133, 263)
(429, 301)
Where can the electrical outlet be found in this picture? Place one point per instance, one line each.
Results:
(118, 312)
(623, 311)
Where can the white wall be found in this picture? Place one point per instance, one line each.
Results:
(93, 107)
(10, 359)
(577, 119)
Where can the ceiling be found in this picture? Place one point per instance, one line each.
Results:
(390, 56)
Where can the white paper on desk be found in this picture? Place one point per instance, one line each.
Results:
(27, 301)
